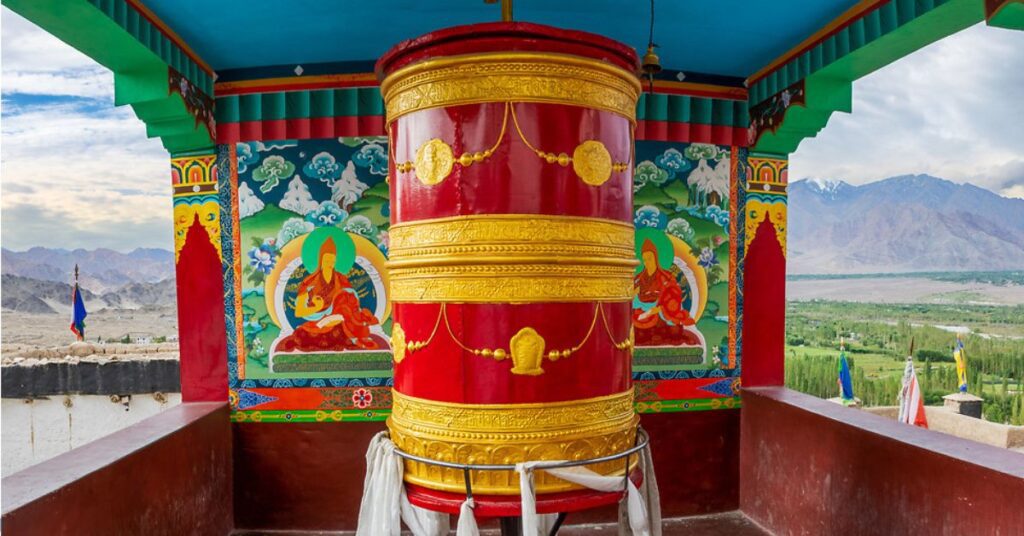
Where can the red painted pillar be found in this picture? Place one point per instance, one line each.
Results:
(201, 333)
(764, 273)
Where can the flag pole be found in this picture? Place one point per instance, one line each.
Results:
(78, 312)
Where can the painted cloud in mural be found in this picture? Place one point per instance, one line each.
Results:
(672, 161)
(248, 203)
(293, 228)
(324, 167)
(373, 157)
(271, 172)
(248, 155)
(348, 188)
(360, 225)
(328, 213)
(681, 229)
(647, 172)
(297, 199)
(649, 216)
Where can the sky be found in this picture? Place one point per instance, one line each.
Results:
(954, 109)
(75, 171)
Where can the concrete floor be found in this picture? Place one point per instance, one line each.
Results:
(725, 524)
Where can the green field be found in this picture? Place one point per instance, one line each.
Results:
(878, 339)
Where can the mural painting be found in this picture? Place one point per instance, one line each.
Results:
(306, 287)
(680, 312)
(313, 219)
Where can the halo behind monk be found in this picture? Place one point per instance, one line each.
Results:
(345, 249)
(659, 240)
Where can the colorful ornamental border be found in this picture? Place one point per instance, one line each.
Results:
(284, 416)
(293, 110)
(374, 402)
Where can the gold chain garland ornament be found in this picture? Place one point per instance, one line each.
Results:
(435, 159)
(526, 347)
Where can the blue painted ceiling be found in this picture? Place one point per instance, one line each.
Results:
(727, 37)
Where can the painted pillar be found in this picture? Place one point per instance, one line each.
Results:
(512, 253)
(764, 272)
(197, 258)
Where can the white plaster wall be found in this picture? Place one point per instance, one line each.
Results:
(37, 430)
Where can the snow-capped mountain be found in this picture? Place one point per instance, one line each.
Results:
(902, 224)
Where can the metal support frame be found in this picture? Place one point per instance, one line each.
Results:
(513, 525)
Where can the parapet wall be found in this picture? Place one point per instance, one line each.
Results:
(941, 419)
(808, 466)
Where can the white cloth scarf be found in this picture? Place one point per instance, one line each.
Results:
(385, 506)
(640, 515)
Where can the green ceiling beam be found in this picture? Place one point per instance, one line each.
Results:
(140, 74)
(1009, 14)
(881, 37)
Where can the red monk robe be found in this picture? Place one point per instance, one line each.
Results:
(334, 319)
(659, 318)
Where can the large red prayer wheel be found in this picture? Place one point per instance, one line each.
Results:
(511, 250)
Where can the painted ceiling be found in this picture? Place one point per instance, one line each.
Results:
(726, 37)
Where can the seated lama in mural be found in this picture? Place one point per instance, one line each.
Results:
(659, 317)
(330, 307)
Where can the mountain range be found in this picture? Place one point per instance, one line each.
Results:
(38, 280)
(908, 223)
(29, 295)
(102, 270)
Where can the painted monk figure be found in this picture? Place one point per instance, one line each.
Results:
(659, 318)
(330, 306)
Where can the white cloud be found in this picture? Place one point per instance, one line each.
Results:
(952, 109)
(77, 172)
(1017, 190)
(38, 63)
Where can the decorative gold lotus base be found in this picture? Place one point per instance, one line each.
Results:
(500, 434)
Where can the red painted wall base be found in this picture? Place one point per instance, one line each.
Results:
(808, 466)
(309, 476)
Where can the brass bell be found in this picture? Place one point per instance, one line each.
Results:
(651, 64)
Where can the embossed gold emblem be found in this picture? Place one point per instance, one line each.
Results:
(527, 349)
(592, 162)
(398, 342)
(434, 162)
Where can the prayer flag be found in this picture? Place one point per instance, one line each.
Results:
(911, 399)
(961, 363)
(78, 312)
(845, 379)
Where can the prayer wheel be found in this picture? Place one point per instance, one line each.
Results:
(511, 250)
